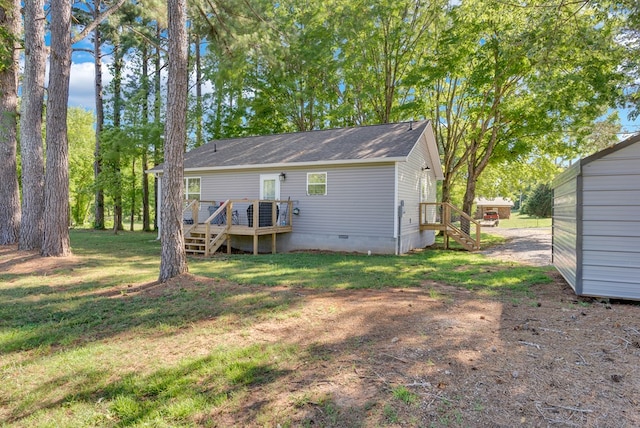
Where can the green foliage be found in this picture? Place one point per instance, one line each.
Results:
(540, 202)
(81, 147)
(629, 12)
(510, 90)
(603, 134)
(507, 85)
(403, 394)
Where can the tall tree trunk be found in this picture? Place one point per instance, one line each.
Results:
(132, 214)
(173, 260)
(157, 119)
(146, 226)
(199, 112)
(117, 111)
(31, 147)
(98, 222)
(9, 192)
(56, 191)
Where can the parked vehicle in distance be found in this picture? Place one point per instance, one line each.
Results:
(490, 218)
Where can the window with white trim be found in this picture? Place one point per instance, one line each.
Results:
(191, 188)
(316, 183)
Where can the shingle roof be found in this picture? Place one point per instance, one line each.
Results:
(375, 142)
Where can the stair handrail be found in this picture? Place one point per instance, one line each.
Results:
(191, 204)
(208, 241)
(217, 212)
(466, 216)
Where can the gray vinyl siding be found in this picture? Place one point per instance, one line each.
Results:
(565, 226)
(359, 201)
(356, 214)
(611, 224)
(410, 178)
(221, 186)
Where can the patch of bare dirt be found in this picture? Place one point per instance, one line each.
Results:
(551, 359)
(21, 262)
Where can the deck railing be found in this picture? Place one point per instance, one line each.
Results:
(452, 221)
(240, 212)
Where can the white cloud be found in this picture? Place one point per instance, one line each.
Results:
(82, 84)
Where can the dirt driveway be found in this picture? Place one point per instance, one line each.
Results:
(530, 246)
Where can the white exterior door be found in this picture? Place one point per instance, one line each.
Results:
(270, 187)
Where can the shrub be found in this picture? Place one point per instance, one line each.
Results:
(540, 202)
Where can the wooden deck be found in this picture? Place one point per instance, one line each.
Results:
(225, 221)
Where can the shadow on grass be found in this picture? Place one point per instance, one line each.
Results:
(44, 320)
(169, 396)
(72, 318)
(100, 297)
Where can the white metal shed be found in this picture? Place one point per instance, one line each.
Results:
(596, 223)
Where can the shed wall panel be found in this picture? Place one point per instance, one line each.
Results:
(607, 213)
(612, 166)
(621, 290)
(616, 181)
(565, 239)
(620, 198)
(612, 258)
(563, 263)
(610, 243)
(626, 228)
(611, 224)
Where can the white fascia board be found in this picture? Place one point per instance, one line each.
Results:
(432, 146)
(298, 164)
(429, 139)
(396, 198)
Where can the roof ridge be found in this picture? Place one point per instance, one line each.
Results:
(280, 134)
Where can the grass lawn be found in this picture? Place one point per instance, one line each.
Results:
(94, 341)
(518, 221)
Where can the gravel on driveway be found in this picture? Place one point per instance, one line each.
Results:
(530, 246)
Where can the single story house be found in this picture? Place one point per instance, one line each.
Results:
(596, 223)
(355, 189)
(501, 205)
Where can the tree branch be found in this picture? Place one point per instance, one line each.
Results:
(104, 15)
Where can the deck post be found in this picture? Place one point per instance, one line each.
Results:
(206, 239)
(195, 209)
(273, 243)
(446, 219)
(274, 216)
(256, 217)
(255, 244)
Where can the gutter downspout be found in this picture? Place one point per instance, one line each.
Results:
(400, 213)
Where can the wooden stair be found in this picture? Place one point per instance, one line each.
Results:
(453, 222)
(204, 239)
(217, 240)
(462, 238)
(195, 243)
